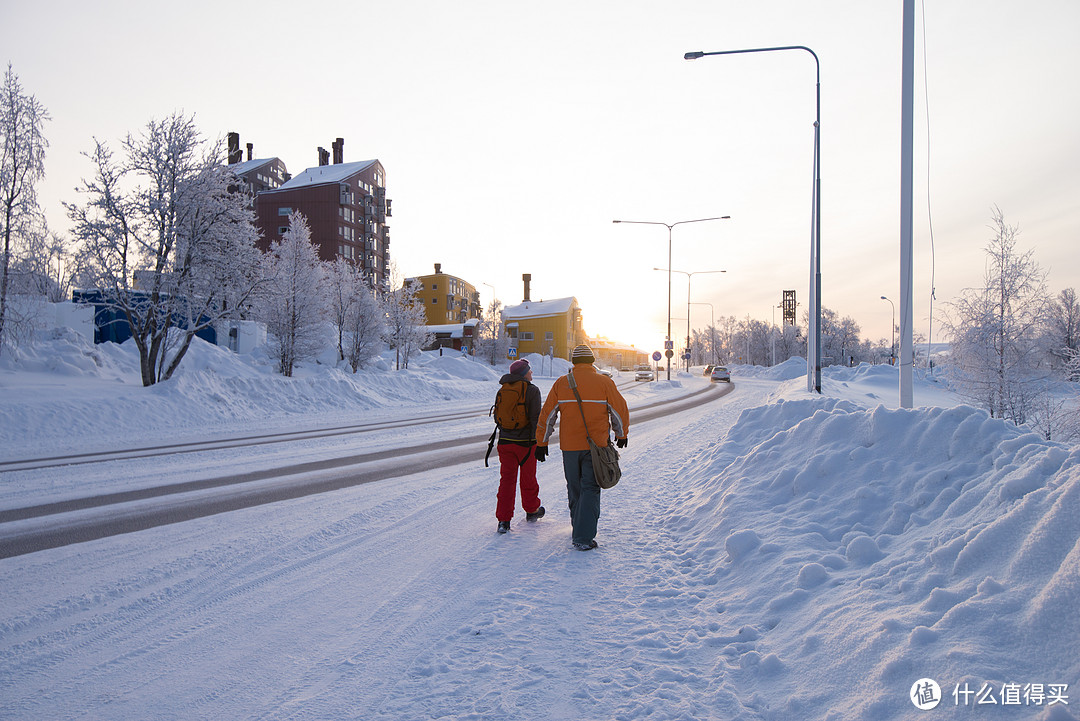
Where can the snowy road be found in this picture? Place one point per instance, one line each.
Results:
(84, 518)
(373, 602)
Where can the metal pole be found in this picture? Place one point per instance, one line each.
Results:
(813, 361)
(669, 227)
(907, 124)
(669, 298)
(687, 351)
(892, 346)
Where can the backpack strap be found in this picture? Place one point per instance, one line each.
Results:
(491, 444)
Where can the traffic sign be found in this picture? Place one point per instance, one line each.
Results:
(656, 356)
(669, 352)
(511, 352)
(669, 344)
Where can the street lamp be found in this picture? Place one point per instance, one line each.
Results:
(813, 381)
(494, 296)
(688, 276)
(669, 226)
(892, 348)
(712, 323)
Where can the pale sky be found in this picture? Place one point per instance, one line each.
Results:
(513, 134)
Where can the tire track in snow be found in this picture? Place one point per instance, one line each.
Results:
(86, 519)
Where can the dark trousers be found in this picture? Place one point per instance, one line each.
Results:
(511, 467)
(582, 493)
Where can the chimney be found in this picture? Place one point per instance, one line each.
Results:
(251, 150)
(438, 268)
(339, 151)
(324, 157)
(234, 149)
(527, 277)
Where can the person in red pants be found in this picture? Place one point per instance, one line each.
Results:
(517, 409)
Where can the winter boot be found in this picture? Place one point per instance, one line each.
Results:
(504, 526)
(586, 546)
(535, 515)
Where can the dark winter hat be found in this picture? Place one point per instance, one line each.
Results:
(582, 354)
(520, 367)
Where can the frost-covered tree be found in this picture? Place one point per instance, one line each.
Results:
(406, 330)
(840, 341)
(355, 311)
(42, 265)
(492, 342)
(996, 359)
(1063, 329)
(342, 283)
(294, 302)
(171, 247)
(22, 166)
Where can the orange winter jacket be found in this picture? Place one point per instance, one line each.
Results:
(605, 410)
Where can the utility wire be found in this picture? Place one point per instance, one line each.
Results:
(929, 212)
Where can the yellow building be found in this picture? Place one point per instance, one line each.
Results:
(610, 354)
(447, 299)
(547, 327)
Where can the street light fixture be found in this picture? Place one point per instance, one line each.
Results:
(669, 226)
(892, 348)
(688, 276)
(813, 381)
(712, 324)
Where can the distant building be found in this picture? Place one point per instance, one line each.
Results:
(257, 175)
(455, 336)
(346, 207)
(446, 298)
(617, 355)
(547, 327)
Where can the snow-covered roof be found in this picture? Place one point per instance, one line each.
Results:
(323, 174)
(248, 165)
(456, 330)
(540, 308)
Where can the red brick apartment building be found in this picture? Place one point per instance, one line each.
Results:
(346, 207)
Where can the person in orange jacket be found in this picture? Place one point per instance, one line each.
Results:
(605, 412)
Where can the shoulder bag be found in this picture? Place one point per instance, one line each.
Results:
(605, 459)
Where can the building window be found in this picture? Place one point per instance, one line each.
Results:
(434, 301)
(549, 336)
(282, 229)
(284, 211)
(526, 335)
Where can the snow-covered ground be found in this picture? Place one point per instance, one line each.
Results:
(770, 555)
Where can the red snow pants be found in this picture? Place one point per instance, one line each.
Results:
(511, 456)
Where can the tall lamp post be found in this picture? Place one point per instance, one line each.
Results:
(712, 322)
(688, 275)
(669, 352)
(892, 348)
(494, 323)
(813, 379)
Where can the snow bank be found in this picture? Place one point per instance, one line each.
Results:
(863, 550)
(66, 393)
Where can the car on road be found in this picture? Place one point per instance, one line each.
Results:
(720, 373)
(643, 376)
(708, 370)
(606, 372)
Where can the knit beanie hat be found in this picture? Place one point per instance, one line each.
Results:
(582, 354)
(520, 367)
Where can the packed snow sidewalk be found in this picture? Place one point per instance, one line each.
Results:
(770, 556)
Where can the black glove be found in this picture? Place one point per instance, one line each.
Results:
(541, 453)
(621, 442)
